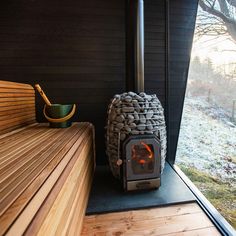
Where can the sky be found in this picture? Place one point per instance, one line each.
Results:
(220, 50)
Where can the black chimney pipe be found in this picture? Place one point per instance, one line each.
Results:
(135, 46)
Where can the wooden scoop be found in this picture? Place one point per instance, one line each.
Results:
(43, 95)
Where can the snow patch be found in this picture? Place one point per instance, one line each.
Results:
(207, 140)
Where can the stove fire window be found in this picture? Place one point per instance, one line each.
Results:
(142, 160)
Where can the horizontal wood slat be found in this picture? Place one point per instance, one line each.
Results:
(46, 177)
(17, 99)
(16, 125)
(14, 114)
(62, 208)
(22, 107)
(15, 95)
(11, 85)
(22, 118)
(45, 208)
(15, 103)
(209, 231)
(16, 90)
(14, 186)
(45, 173)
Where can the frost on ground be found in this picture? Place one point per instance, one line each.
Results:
(207, 140)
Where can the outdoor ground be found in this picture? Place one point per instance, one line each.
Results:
(207, 153)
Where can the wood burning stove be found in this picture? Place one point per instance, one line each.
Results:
(136, 131)
(136, 140)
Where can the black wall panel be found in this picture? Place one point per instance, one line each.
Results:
(182, 16)
(155, 48)
(76, 50)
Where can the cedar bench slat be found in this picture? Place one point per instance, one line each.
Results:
(45, 174)
(16, 96)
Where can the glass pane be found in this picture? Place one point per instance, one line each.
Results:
(142, 160)
(207, 142)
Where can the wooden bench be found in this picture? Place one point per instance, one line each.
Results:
(45, 173)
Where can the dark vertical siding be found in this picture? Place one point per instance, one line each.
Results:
(182, 16)
(155, 48)
(76, 50)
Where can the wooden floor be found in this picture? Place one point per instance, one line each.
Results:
(178, 220)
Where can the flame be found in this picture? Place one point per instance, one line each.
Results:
(148, 149)
(133, 152)
(141, 161)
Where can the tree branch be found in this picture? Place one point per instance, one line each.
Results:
(215, 12)
(223, 13)
(232, 2)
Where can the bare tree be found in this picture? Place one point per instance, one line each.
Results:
(219, 20)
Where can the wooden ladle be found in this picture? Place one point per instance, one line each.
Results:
(43, 95)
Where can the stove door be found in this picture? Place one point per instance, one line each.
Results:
(143, 157)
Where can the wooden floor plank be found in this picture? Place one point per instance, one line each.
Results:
(210, 231)
(173, 220)
(148, 214)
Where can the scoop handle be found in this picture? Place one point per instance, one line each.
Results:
(43, 95)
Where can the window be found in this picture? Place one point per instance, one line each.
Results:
(207, 143)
